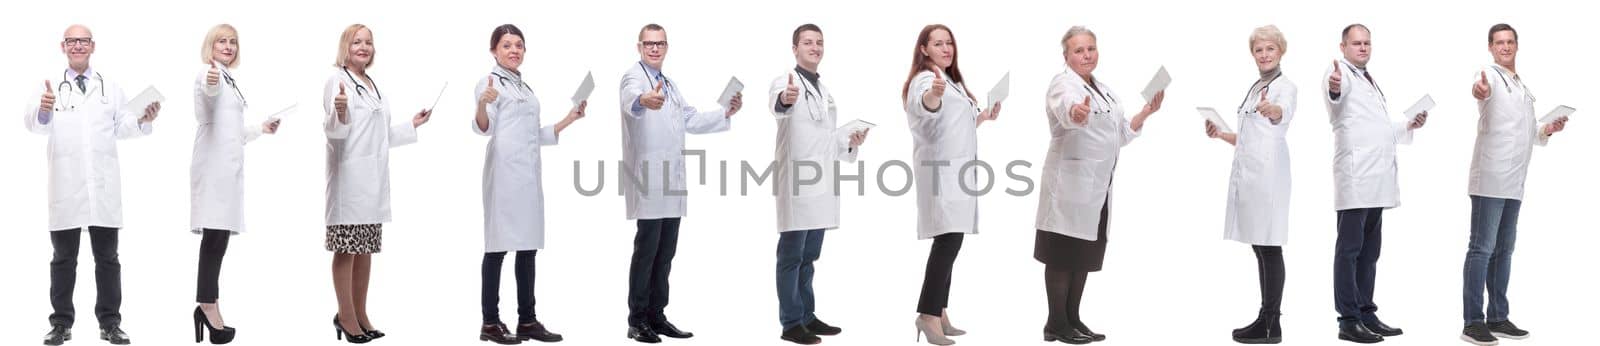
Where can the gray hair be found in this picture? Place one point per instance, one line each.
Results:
(1075, 31)
(1269, 33)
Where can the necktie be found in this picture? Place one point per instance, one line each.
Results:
(81, 86)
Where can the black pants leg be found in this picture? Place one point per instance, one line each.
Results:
(1075, 297)
(525, 275)
(1057, 288)
(213, 245)
(663, 270)
(937, 276)
(107, 276)
(63, 274)
(654, 245)
(1269, 266)
(490, 295)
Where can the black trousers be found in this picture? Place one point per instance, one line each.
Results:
(1063, 288)
(523, 269)
(1355, 263)
(1269, 267)
(107, 275)
(213, 245)
(936, 277)
(654, 245)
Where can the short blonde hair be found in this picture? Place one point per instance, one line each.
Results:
(1269, 33)
(344, 45)
(216, 33)
(1075, 31)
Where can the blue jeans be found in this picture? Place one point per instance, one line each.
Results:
(797, 250)
(1355, 263)
(1494, 236)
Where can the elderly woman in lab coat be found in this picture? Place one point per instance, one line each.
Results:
(1258, 189)
(513, 195)
(359, 138)
(216, 175)
(809, 140)
(1087, 133)
(944, 118)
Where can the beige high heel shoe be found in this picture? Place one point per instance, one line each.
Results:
(926, 326)
(949, 330)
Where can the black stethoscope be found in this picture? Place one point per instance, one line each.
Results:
(360, 90)
(658, 77)
(1251, 92)
(811, 98)
(1105, 99)
(1504, 80)
(517, 82)
(65, 87)
(235, 86)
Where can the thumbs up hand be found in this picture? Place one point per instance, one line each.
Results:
(1480, 90)
(490, 94)
(213, 75)
(655, 98)
(1335, 81)
(1080, 112)
(48, 100)
(1267, 109)
(341, 105)
(790, 94)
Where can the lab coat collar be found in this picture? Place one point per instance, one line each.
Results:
(504, 72)
(651, 71)
(72, 75)
(808, 75)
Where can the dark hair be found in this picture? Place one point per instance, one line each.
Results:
(1502, 27)
(500, 32)
(803, 28)
(650, 27)
(1346, 33)
(921, 62)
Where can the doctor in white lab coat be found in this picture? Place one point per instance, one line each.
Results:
(513, 192)
(360, 135)
(1365, 177)
(809, 148)
(1508, 129)
(216, 172)
(655, 117)
(1087, 133)
(1258, 189)
(84, 116)
(944, 117)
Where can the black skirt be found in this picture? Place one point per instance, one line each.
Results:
(1070, 253)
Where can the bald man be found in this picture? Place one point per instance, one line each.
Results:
(83, 114)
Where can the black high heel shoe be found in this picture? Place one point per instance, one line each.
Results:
(218, 336)
(340, 333)
(374, 333)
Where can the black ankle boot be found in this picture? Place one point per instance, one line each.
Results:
(1265, 330)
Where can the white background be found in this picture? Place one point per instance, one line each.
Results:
(1169, 276)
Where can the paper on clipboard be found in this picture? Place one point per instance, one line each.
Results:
(1556, 114)
(1214, 118)
(1157, 84)
(1001, 90)
(441, 95)
(584, 89)
(1422, 105)
(148, 96)
(734, 87)
(858, 125)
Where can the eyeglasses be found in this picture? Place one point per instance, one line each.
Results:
(653, 44)
(78, 41)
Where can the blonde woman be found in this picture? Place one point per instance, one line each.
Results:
(216, 175)
(359, 138)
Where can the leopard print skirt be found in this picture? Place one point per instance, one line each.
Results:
(354, 239)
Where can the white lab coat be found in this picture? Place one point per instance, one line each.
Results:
(1365, 168)
(810, 144)
(653, 138)
(1082, 158)
(949, 136)
(216, 170)
(85, 174)
(513, 193)
(1258, 189)
(358, 152)
(1507, 131)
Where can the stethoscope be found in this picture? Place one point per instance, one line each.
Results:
(1107, 100)
(811, 98)
(235, 86)
(65, 87)
(521, 86)
(657, 77)
(361, 90)
(1251, 92)
(1363, 76)
(1520, 86)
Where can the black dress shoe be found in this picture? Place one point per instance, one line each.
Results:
(1067, 335)
(800, 335)
(668, 330)
(498, 333)
(536, 331)
(58, 334)
(643, 333)
(1379, 328)
(1083, 329)
(817, 327)
(114, 335)
(1355, 331)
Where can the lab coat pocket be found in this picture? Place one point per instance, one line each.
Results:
(1080, 181)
